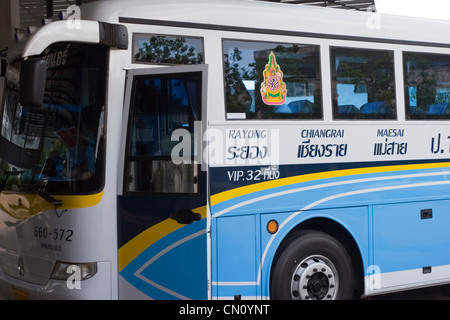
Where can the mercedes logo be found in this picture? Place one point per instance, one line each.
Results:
(21, 267)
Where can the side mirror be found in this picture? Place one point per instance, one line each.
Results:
(33, 73)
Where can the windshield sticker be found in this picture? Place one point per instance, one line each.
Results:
(273, 89)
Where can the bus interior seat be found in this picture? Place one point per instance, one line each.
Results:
(432, 109)
(299, 106)
(348, 109)
(438, 108)
(284, 108)
(378, 107)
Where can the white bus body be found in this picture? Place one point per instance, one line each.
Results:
(364, 166)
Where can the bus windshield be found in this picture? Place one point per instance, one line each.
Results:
(58, 147)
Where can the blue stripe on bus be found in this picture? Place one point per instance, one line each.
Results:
(169, 268)
(294, 196)
(222, 181)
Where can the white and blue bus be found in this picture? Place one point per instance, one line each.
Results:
(232, 149)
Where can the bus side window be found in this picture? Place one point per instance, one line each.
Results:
(266, 80)
(362, 83)
(159, 106)
(427, 85)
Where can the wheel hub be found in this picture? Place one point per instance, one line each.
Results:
(315, 278)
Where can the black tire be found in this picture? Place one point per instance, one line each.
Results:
(312, 265)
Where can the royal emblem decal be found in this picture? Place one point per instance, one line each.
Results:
(273, 89)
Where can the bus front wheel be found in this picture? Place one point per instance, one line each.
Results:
(312, 265)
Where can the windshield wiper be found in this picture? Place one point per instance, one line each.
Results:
(44, 195)
(8, 173)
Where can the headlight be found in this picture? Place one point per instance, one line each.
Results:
(63, 270)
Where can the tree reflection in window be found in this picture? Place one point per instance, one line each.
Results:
(244, 65)
(427, 85)
(167, 50)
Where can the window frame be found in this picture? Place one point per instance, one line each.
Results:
(127, 158)
(243, 116)
(422, 116)
(135, 48)
(358, 116)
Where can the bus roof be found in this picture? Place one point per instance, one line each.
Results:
(255, 15)
(340, 4)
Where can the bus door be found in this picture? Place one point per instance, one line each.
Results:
(162, 198)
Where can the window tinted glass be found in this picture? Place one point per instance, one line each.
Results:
(272, 80)
(58, 147)
(427, 85)
(362, 84)
(150, 48)
(161, 104)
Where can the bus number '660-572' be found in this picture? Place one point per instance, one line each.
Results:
(56, 234)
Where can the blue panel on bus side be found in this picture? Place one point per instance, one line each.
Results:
(403, 240)
(236, 256)
(346, 199)
(354, 220)
(244, 249)
(173, 267)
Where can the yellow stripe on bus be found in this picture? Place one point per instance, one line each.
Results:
(24, 206)
(233, 193)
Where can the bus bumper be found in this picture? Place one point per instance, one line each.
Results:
(97, 287)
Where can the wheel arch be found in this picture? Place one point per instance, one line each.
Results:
(340, 233)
